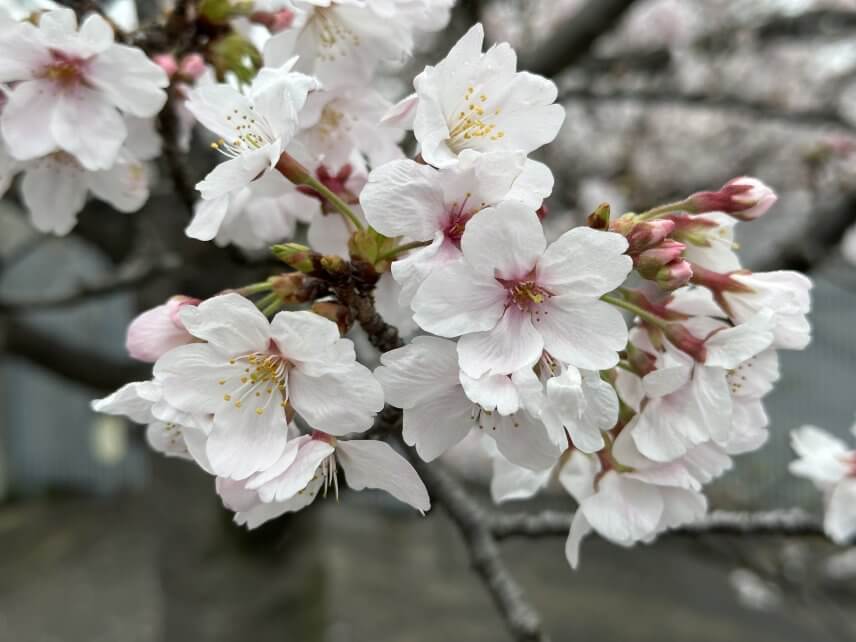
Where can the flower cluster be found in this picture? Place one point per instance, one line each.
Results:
(626, 359)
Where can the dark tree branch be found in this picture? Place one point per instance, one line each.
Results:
(168, 127)
(787, 522)
(820, 119)
(77, 364)
(473, 523)
(820, 22)
(574, 38)
(133, 276)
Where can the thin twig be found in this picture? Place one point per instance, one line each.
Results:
(473, 523)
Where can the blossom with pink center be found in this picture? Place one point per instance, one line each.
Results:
(155, 332)
(252, 375)
(831, 465)
(309, 465)
(512, 297)
(420, 203)
(71, 87)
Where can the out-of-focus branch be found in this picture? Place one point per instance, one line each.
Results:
(473, 523)
(786, 522)
(820, 22)
(825, 119)
(132, 276)
(80, 365)
(574, 38)
(813, 246)
(168, 127)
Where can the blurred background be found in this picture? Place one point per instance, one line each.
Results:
(100, 541)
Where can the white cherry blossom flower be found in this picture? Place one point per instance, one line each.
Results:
(254, 217)
(54, 188)
(421, 203)
(475, 100)
(640, 501)
(424, 380)
(168, 431)
(342, 41)
(690, 403)
(831, 465)
(254, 126)
(72, 87)
(512, 297)
(251, 374)
(308, 465)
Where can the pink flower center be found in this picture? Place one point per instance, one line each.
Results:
(263, 380)
(64, 70)
(457, 218)
(850, 462)
(525, 293)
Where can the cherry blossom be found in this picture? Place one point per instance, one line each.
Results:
(308, 465)
(254, 126)
(512, 297)
(475, 100)
(71, 88)
(831, 465)
(421, 203)
(251, 374)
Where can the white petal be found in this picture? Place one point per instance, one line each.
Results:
(513, 344)
(505, 241)
(54, 192)
(585, 262)
(131, 81)
(305, 336)
(133, 400)
(208, 216)
(432, 437)
(623, 510)
(729, 348)
(87, 126)
(584, 333)
(511, 482)
(339, 402)
(374, 464)
(579, 529)
(839, 522)
(293, 472)
(237, 172)
(455, 300)
(416, 373)
(492, 392)
(230, 322)
(25, 119)
(522, 440)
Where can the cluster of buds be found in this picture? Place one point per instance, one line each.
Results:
(656, 255)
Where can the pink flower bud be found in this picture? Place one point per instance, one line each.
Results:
(158, 330)
(275, 21)
(649, 262)
(674, 275)
(744, 198)
(684, 340)
(647, 234)
(166, 62)
(192, 66)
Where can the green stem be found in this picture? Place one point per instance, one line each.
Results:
(256, 288)
(273, 308)
(265, 301)
(668, 208)
(394, 252)
(340, 205)
(642, 313)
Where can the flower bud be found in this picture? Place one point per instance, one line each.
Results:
(275, 21)
(649, 262)
(641, 361)
(167, 63)
(295, 255)
(291, 287)
(647, 234)
(684, 340)
(599, 219)
(192, 66)
(674, 275)
(158, 330)
(745, 198)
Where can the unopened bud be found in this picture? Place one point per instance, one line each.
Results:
(642, 362)
(684, 340)
(647, 234)
(290, 288)
(333, 264)
(745, 198)
(167, 63)
(192, 66)
(336, 312)
(295, 255)
(649, 262)
(234, 53)
(674, 275)
(599, 219)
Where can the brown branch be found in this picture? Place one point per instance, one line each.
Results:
(77, 364)
(574, 38)
(786, 522)
(473, 523)
(168, 127)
